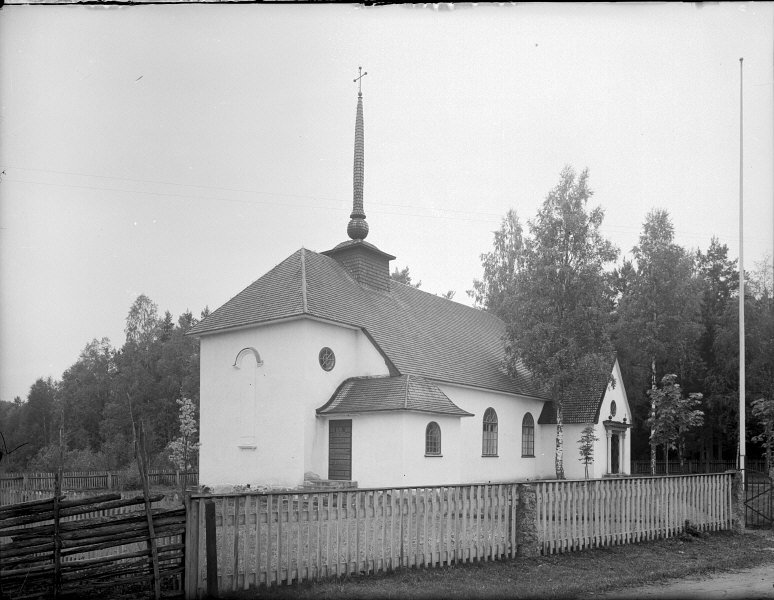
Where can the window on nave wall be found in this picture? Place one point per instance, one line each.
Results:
(528, 435)
(489, 442)
(433, 439)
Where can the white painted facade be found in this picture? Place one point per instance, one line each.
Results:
(258, 422)
(261, 386)
(573, 467)
(509, 463)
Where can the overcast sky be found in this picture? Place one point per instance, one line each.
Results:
(183, 151)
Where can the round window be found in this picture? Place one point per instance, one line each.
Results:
(327, 359)
(612, 408)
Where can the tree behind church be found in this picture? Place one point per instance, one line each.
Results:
(658, 318)
(557, 310)
(500, 266)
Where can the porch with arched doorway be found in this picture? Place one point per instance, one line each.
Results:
(617, 461)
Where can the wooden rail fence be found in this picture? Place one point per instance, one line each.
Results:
(80, 547)
(264, 539)
(87, 480)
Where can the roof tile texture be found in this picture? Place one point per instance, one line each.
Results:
(405, 392)
(422, 334)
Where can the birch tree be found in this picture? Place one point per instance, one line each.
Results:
(183, 450)
(558, 307)
(674, 414)
(501, 264)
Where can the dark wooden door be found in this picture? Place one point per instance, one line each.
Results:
(615, 455)
(340, 449)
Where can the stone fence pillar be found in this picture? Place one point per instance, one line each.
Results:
(527, 543)
(737, 502)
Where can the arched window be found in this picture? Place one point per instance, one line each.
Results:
(489, 445)
(433, 439)
(246, 366)
(247, 352)
(528, 435)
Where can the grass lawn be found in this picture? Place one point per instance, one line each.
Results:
(571, 575)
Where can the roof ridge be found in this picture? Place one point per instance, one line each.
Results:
(304, 305)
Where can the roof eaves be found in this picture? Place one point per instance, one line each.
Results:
(288, 317)
(488, 389)
(462, 413)
(333, 397)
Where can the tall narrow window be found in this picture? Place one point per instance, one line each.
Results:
(433, 439)
(246, 365)
(528, 436)
(489, 446)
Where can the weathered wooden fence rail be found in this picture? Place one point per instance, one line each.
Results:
(89, 480)
(642, 467)
(75, 547)
(574, 515)
(285, 537)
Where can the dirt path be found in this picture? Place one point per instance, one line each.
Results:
(749, 583)
(757, 582)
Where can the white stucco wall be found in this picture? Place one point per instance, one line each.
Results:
(269, 411)
(388, 449)
(279, 405)
(509, 463)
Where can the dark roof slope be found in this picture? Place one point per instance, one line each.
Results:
(405, 392)
(421, 334)
(276, 295)
(584, 408)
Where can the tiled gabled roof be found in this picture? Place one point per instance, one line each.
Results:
(405, 392)
(420, 333)
(581, 409)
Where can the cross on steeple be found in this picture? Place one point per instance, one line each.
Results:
(358, 78)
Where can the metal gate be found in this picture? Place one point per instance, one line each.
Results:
(758, 500)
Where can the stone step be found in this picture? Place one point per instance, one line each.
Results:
(328, 484)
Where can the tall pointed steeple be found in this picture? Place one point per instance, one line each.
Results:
(358, 228)
(365, 262)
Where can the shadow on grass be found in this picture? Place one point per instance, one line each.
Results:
(571, 575)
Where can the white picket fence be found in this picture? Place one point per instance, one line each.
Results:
(574, 515)
(276, 538)
(284, 537)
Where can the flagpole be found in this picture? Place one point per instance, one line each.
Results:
(742, 441)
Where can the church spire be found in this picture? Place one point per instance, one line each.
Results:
(358, 228)
(368, 265)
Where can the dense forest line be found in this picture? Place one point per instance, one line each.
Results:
(667, 310)
(93, 404)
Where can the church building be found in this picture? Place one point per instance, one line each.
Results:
(327, 369)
